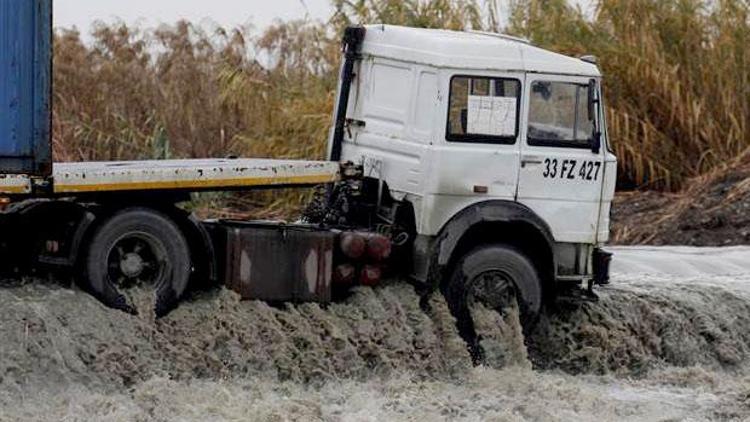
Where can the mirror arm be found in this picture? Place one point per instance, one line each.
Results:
(596, 142)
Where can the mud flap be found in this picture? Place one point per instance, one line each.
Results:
(601, 261)
(578, 294)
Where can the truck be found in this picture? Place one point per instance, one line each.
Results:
(471, 164)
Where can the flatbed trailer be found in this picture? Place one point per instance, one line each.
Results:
(169, 175)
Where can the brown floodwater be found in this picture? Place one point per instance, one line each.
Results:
(661, 346)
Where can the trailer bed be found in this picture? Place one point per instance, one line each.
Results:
(170, 175)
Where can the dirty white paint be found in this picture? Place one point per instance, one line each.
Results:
(204, 174)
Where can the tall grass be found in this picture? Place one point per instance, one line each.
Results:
(186, 92)
(677, 81)
(205, 94)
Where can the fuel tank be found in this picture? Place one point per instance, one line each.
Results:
(275, 262)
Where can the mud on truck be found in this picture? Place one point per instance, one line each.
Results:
(473, 164)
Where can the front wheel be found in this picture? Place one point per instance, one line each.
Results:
(494, 276)
(138, 249)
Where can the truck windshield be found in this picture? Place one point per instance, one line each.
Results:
(558, 114)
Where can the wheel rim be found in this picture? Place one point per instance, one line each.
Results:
(494, 289)
(136, 260)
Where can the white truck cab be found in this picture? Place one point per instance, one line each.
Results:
(481, 130)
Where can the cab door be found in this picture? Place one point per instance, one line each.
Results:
(562, 161)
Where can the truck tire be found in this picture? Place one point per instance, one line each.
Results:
(138, 247)
(494, 275)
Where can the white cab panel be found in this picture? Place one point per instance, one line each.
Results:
(469, 171)
(394, 106)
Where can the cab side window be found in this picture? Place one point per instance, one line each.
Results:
(558, 115)
(483, 110)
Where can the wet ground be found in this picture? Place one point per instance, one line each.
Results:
(668, 341)
(712, 210)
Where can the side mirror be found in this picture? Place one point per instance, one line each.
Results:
(592, 100)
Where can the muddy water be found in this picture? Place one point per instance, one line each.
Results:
(655, 347)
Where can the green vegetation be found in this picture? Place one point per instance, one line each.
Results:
(678, 81)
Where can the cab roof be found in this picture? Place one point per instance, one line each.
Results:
(469, 50)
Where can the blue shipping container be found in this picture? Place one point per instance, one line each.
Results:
(25, 86)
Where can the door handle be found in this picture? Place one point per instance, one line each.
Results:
(531, 159)
(353, 123)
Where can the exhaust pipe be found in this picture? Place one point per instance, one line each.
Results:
(353, 37)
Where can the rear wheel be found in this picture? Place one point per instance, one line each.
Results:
(495, 276)
(138, 249)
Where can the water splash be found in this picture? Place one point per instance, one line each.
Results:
(669, 351)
